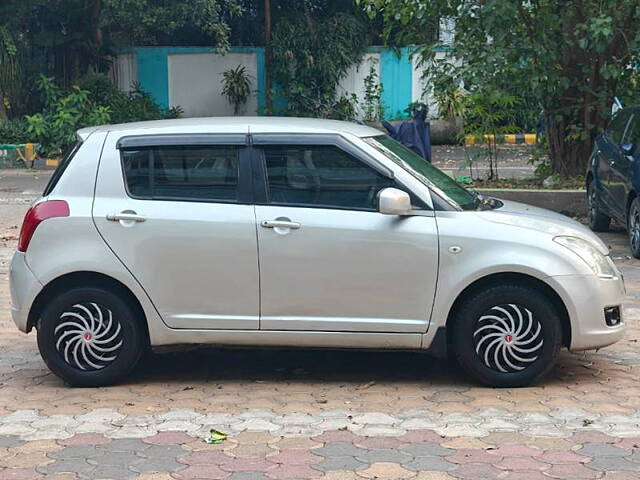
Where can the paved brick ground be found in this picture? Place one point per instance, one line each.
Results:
(324, 414)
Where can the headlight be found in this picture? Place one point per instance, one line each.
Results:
(602, 265)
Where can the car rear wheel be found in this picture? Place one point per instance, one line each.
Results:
(506, 335)
(598, 221)
(633, 227)
(89, 336)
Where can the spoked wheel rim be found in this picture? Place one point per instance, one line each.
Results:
(508, 338)
(592, 203)
(88, 337)
(634, 227)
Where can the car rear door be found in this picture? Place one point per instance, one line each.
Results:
(328, 260)
(177, 211)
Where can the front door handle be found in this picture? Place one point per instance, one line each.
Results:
(280, 224)
(125, 217)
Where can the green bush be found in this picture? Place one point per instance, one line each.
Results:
(134, 106)
(64, 113)
(14, 131)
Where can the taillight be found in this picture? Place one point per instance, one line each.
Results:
(36, 214)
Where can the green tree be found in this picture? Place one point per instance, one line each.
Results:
(573, 56)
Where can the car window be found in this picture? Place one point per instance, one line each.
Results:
(632, 135)
(617, 127)
(182, 172)
(321, 176)
(62, 166)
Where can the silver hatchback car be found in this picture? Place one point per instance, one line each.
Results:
(298, 233)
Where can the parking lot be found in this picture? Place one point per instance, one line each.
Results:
(314, 414)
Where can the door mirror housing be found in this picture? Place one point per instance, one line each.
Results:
(392, 201)
(627, 148)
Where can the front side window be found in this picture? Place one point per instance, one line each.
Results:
(422, 170)
(321, 176)
(617, 127)
(182, 172)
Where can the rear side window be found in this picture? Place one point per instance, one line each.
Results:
(182, 172)
(321, 176)
(62, 166)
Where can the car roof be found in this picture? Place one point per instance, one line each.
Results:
(236, 125)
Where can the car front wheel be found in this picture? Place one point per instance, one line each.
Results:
(89, 336)
(633, 227)
(506, 335)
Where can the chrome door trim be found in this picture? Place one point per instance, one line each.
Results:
(287, 339)
(125, 217)
(280, 224)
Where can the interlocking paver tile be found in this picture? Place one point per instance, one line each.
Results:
(169, 438)
(201, 472)
(426, 449)
(19, 474)
(575, 470)
(335, 449)
(430, 463)
(613, 463)
(603, 449)
(386, 470)
(340, 463)
(285, 471)
(476, 471)
(294, 457)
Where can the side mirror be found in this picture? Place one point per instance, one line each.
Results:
(627, 148)
(392, 201)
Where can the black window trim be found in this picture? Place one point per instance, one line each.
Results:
(181, 140)
(245, 188)
(261, 187)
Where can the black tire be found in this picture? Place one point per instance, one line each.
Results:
(598, 221)
(81, 316)
(472, 344)
(633, 227)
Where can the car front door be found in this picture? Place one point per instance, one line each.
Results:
(328, 260)
(615, 160)
(621, 181)
(177, 211)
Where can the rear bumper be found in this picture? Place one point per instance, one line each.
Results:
(24, 287)
(586, 297)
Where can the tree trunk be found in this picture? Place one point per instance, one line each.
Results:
(267, 55)
(569, 155)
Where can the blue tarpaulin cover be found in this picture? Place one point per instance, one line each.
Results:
(414, 134)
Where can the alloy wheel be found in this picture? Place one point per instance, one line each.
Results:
(88, 337)
(634, 227)
(507, 338)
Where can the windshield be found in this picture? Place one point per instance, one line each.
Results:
(429, 175)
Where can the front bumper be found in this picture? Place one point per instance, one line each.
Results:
(24, 287)
(586, 297)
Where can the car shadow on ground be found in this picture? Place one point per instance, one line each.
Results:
(352, 367)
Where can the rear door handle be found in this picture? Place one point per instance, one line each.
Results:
(280, 224)
(125, 217)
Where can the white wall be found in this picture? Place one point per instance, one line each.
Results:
(353, 82)
(124, 71)
(195, 83)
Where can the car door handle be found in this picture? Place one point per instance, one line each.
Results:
(280, 224)
(125, 217)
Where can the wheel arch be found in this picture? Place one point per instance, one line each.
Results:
(84, 278)
(512, 278)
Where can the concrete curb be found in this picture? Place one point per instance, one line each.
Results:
(527, 138)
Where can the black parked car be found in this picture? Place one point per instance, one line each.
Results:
(613, 177)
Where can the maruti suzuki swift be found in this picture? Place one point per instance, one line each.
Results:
(296, 233)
